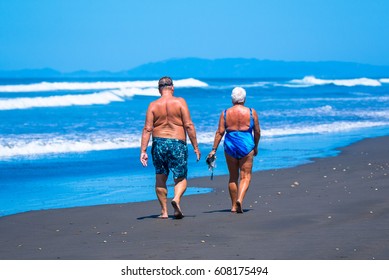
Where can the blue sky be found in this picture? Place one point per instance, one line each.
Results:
(118, 35)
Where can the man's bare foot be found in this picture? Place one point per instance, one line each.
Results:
(177, 211)
(239, 207)
(162, 216)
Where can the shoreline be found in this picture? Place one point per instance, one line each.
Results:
(331, 208)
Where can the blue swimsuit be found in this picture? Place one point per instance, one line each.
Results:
(237, 143)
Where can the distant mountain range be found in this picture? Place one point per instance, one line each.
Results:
(220, 68)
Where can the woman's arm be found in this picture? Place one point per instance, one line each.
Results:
(218, 135)
(257, 132)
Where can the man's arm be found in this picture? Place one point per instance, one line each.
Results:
(146, 133)
(190, 128)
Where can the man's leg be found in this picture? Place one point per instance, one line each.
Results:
(161, 191)
(180, 185)
(179, 165)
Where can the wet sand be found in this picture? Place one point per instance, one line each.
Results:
(334, 208)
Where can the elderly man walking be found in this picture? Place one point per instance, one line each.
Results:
(168, 121)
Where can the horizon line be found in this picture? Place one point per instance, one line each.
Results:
(53, 69)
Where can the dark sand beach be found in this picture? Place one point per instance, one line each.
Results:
(330, 209)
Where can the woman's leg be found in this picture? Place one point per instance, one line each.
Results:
(233, 168)
(245, 166)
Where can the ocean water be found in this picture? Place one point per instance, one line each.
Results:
(75, 142)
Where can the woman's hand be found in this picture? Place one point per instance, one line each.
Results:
(211, 154)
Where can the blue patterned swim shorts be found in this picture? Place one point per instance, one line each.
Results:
(170, 154)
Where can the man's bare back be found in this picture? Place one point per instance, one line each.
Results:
(168, 117)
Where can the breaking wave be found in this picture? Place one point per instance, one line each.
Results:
(313, 81)
(321, 128)
(310, 81)
(118, 91)
(35, 145)
(59, 101)
(327, 110)
(57, 86)
(32, 145)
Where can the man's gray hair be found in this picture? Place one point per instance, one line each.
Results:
(165, 82)
(238, 95)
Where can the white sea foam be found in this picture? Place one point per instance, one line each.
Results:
(321, 128)
(98, 98)
(129, 92)
(313, 81)
(295, 85)
(318, 111)
(118, 91)
(32, 145)
(35, 145)
(384, 81)
(384, 114)
(41, 144)
(190, 82)
(327, 111)
(205, 137)
(59, 101)
(57, 86)
(330, 99)
(310, 81)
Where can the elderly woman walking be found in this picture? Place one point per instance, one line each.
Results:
(242, 130)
